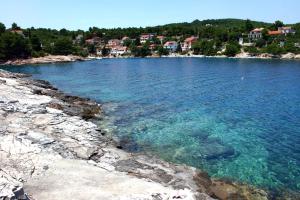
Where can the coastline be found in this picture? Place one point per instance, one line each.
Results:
(45, 60)
(288, 56)
(71, 58)
(45, 132)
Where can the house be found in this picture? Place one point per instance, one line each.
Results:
(282, 31)
(18, 31)
(286, 30)
(94, 41)
(161, 38)
(255, 34)
(114, 42)
(118, 51)
(89, 41)
(188, 42)
(171, 46)
(145, 37)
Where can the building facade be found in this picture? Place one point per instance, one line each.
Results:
(171, 46)
(145, 37)
(188, 42)
(255, 34)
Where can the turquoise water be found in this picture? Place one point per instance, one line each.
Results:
(238, 119)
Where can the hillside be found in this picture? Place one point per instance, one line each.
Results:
(213, 36)
(225, 23)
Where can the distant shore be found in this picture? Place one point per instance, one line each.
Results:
(244, 55)
(288, 56)
(73, 58)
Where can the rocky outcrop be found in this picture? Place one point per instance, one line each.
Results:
(297, 56)
(227, 189)
(45, 59)
(288, 56)
(49, 150)
(10, 188)
(243, 55)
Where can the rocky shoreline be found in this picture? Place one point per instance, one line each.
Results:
(45, 60)
(243, 55)
(287, 56)
(51, 149)
(71, 58)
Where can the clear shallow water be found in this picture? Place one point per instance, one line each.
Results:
(234, 118)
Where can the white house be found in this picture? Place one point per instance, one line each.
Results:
(145, 37)
(286, 30)
(94, 41)
(188, 42)
(255, 34)
(171, 46)
(118, 50)
(114, 42)
(282, 31)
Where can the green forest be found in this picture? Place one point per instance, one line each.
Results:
(214, 35)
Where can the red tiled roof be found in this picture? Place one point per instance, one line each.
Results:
(170, 43)
(16, 31)
(274, 32)
(190, 39)
(257, 30)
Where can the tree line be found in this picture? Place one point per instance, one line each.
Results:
(214, 35)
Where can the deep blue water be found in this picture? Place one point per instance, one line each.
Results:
(234, 118)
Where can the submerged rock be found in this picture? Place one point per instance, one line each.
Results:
(225, 190)
(129, 144)
(214, 148)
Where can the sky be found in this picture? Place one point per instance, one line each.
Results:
(82, 14)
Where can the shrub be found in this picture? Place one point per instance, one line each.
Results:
(63, 46)
(260, 43)
(274, 49)
(232, 49)
(252, 50)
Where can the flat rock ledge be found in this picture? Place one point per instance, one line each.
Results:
(45, 60)
(50, 149)
(287, 56)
